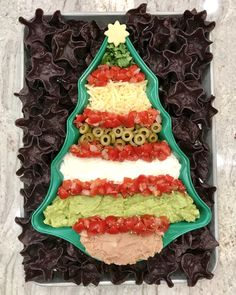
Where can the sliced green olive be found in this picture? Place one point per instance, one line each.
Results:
(144, 131)
(113, 137)
(83, 138)
(152, 137)
(105, 139)
(118, 131)
(107, 130)
(98, 131)
(89, 137)
(137, 126)
(84, 128)
(119, 142)
(139, 139)
(156, 127)
(127, 135)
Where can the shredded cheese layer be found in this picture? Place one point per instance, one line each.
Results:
(119, 97)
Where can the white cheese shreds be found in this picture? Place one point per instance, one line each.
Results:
(87, 169)
(119, 97)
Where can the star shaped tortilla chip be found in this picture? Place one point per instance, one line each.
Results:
(116, 33)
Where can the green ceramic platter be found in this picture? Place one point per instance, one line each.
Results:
(176, 229)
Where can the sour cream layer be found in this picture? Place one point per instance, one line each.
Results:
(87, 169)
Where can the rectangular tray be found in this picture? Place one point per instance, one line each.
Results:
(208, 84)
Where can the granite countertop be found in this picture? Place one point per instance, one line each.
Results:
(11, 270)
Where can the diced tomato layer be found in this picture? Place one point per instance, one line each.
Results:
(140, 225)
(112, 120)
(147, 152)
(104, 73)
(146, 185)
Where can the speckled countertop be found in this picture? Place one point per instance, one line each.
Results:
(11, 270)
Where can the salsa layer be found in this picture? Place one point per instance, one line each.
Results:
(146, 152)
(111, 120)
(147, 185)
(140, 225)
(104, 73)
(175, 206)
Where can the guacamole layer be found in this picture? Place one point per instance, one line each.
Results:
(176, 206)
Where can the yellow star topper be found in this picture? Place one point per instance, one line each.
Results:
(116, 33)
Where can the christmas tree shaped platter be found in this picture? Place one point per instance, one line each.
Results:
(120, 187)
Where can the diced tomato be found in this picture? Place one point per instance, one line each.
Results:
(79, 119)
(129, 149)
(164, 224)
(122, 76)
(130, 222)
(139, 228)
(101, 190)
(148, 220)
(91, 79)
(96, 225)
(87, 112)
(66, 184)
(120, 224)
(85, 154)
(76, 188)
(143, 117)
(102, 76)
(74, 149)
(134, 69)
(140, 77)
(85, 222)
(100, 83)
(79, 226)
(109, 75)
(123, 155)
(113, 230)
(93, 119)
(132, 116)
(152, 113)
(147, 148)
(63, 194)
(113, 154)
(180, 185)
(111, 123)
(115, 123)
(133, 79)
(115, 68)
(95, 73)
(111, 220)
(110, 189)
(103, 67)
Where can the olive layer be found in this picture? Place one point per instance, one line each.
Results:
(135, 136)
